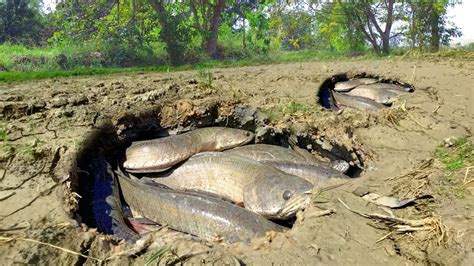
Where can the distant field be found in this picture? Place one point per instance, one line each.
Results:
(18, 63)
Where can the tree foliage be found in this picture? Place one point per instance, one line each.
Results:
(429, 26)
(127, 31)
(336, 31)
(21, 21)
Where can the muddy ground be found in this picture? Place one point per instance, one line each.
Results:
(46, 122)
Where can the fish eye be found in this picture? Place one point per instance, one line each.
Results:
(287, 195)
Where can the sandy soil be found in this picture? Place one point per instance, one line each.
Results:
(47, 121)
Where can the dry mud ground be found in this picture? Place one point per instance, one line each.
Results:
(45, 122)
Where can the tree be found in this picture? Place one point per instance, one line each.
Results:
(429, 26)
(173, 29)
(207, 15)
(336, 31)
(21, 21)
(238, 12)
(369, 18)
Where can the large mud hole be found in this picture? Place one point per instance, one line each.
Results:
(112, 138)
(325, 91)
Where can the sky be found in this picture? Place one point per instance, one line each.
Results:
(462, 15)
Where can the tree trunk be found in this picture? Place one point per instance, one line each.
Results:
(212, 34)
(435, 38)
(413, 25)
(384, 34)
(385, 43)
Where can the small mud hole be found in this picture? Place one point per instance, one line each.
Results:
(110, 140)
(361, 91)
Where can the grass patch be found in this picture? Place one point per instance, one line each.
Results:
(156, 257)
(47, 74)
(205, 75)
(18, 63)
(455, 159)
(42, 63)
(31, 150)
(458, 156)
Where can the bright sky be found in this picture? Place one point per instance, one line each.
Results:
(461, 15)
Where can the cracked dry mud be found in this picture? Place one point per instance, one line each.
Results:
(48, 121)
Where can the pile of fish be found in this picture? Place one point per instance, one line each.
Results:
(367, 94)
(208, 183)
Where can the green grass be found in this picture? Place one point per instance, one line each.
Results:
(455, 159)
(48, 74)
(42, 63)
(205, 75)
(157, 256)
(460, 155)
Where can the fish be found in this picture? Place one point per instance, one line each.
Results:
(380, 95)
(338, 165)
(196, 214)
(260, 188)
(344, 86)
(106, 206)
(318, 175)
(160, 154)
(267, 154)
(357, 102)
(388, 86)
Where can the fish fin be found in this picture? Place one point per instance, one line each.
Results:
(106, 205)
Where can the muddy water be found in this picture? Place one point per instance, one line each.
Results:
(48, 121)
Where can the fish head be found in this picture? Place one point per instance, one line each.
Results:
(232, 137)
(278, 198)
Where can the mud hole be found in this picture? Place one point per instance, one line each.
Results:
(111, 140)
(50, 128)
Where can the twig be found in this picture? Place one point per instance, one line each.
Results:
(413, 74)
(139, 246)
(15, 227)
(401, 225)
(383, 237)
(403, 107)
(465, 181)
(25, 180)
(49, 245)
(436, 109)
(321, 213)
(324, 189)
